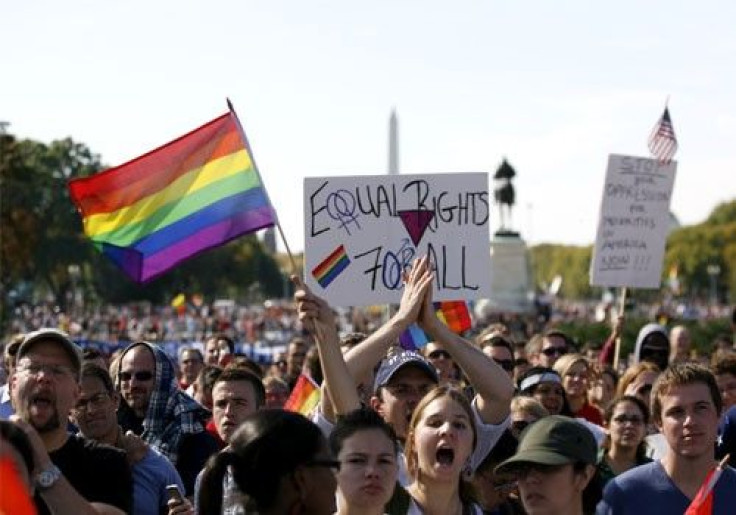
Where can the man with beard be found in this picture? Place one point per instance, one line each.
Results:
(44, 388)
(95, 415)
(155, 408)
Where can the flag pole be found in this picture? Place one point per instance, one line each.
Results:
(230, 106)
(621, 309)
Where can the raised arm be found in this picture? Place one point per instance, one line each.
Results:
(492, 384)
(362, 358)
(339, 391)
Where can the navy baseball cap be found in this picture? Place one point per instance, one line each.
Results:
(395, 362)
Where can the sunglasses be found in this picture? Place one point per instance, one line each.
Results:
(143, 375)
(506, 364)
(552, 351)
(437, 354)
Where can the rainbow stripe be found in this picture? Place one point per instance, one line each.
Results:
(304, 397)
(331, 266)
(455, 315)
(195, 193)
(413, 338)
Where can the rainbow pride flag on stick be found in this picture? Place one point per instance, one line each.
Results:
(304, 397)
(198, 192)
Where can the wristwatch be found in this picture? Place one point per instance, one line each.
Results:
(47, 477)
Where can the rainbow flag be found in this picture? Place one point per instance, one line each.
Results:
(454, 314)
(195, 193)
(331, 266)
(413, 338)
(304, 397)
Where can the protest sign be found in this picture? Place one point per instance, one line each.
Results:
(634, 223)
(362, 232)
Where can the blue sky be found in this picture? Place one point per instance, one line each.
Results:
(553, 86)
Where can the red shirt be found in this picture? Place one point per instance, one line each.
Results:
(590, 413)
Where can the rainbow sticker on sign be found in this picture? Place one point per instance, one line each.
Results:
(331, 267)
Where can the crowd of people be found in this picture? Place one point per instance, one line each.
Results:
(480, 425)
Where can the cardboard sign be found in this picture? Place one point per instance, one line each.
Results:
(633, 224)
(362, 232)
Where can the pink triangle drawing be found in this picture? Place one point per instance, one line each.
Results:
(416, 222)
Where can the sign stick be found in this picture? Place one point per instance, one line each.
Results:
(621, 310)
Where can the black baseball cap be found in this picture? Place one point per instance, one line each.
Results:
(395, 362)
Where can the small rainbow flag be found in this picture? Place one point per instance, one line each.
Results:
(413, 338)
(304, 397)
(195, 193)
(331, 266)
(455, 315)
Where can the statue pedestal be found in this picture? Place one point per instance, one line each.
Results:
(511, 282)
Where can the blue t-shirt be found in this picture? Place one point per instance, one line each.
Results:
(150, 477)
(648, 489)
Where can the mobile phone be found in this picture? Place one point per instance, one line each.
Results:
(173, 493)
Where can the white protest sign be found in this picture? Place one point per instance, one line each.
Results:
(361, 232)
(633, 224)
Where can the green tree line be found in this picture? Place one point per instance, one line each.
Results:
(693, 255)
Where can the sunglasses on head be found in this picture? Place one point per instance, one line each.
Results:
(506, 364)
(437, 354)
(142, 375)
(552, 351)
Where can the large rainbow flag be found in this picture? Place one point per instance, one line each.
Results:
(195, 193)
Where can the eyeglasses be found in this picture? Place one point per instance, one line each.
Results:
(622, 419)
(141, 375)
(95, 401)
(57, 371)
(437, 354)
(552, 351)
(330, 464)
(506, 364)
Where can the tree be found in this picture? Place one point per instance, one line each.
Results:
(41, 232)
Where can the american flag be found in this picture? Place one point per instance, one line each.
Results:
(662, 141)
